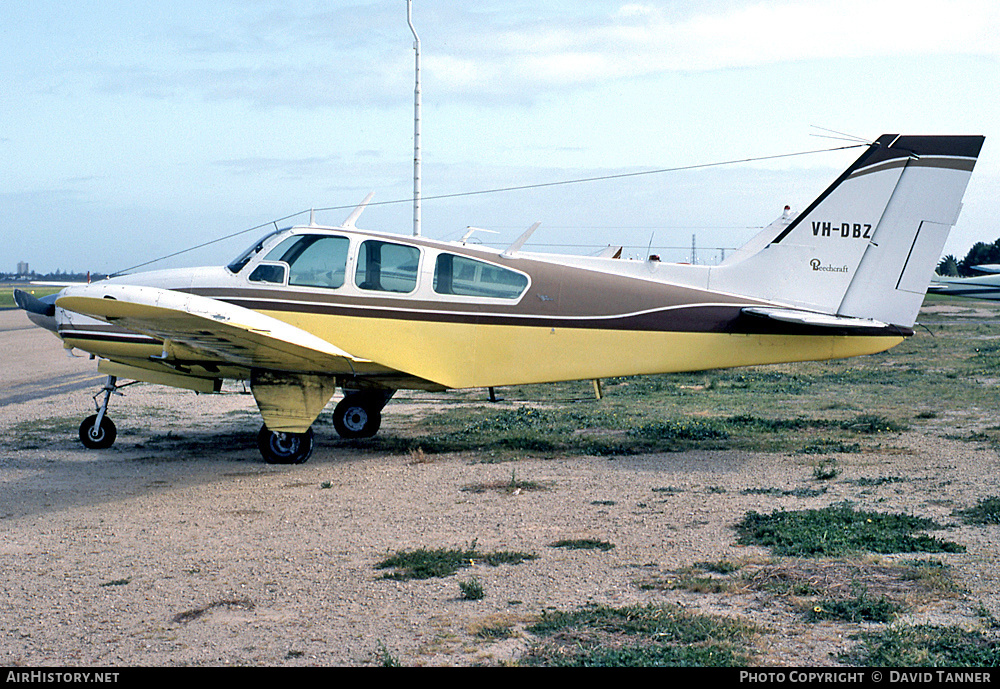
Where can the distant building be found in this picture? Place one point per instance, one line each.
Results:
(22, 268)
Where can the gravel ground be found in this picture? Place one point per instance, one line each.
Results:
(179, 546)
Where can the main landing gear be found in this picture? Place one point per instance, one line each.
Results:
(97, 431)
(358, 415)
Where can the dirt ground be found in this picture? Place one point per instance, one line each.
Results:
(179, 546)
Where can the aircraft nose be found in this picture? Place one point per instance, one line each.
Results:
(46, 306)
(41, 312)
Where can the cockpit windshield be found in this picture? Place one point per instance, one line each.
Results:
(244, 258)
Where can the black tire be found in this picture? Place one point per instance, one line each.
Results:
(96, 438)
(285, 448)
(358, 415)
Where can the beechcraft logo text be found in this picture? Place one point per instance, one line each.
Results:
(817, 265)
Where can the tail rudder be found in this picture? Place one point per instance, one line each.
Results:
(867, 245)
(898, 263)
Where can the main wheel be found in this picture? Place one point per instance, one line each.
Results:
(358, 415)
(98, 437)
(285, 448)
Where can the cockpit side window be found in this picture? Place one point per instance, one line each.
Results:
(313, 260)
(469, 277)
(268, 272)
(387, 267)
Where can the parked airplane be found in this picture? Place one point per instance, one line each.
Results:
(310, 309)
(977, 287)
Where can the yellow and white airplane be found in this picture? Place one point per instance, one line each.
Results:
(310, 309)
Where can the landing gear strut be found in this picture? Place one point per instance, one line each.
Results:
(98, 432)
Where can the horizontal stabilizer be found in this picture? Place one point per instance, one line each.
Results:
(821, 320)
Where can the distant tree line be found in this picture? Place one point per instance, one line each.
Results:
(981, 253)
(58, 276)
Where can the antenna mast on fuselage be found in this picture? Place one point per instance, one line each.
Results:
(416, 122)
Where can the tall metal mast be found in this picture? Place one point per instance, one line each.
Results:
(416, 122)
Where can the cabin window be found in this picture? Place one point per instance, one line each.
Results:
(313, 260)
(387, 267)
(468, 277)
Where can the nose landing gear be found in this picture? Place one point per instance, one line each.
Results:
(98, 432)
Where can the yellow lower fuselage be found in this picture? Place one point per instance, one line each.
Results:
(462, 355)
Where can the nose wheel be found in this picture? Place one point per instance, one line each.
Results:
(98, 432)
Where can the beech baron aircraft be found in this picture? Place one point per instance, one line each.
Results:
(310, 309)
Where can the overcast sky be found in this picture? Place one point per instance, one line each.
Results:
(131, 130)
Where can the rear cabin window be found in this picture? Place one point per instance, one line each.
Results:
(471, 278)
(387, 267)
(313, 260)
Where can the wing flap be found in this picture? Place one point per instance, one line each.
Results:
(213, 328)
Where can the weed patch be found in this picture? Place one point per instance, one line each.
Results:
(827, 446)
(925, 646)
(679, 431)
(428, 564)
(794, 492)
(514, 486)
(194, 614)
(860, 608)
(840, 530)
(986, 511)
(584, 544)
(653, 635)
(471, 589)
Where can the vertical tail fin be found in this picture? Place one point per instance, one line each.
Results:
(868, 245)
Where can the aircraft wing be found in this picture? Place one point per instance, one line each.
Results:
(812, 318)
(211, 328)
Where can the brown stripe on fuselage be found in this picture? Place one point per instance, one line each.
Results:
(654, 307)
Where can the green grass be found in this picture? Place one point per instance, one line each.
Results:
(443, 562)
(625, 427)
(512, 487)
(840, 530)
(925, 646)
(986, 511)
(638, 636)
(583, 544)
(860, 608)
(472, 589)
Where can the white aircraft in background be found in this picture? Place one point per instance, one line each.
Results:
(977, 287)
(310, 309)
